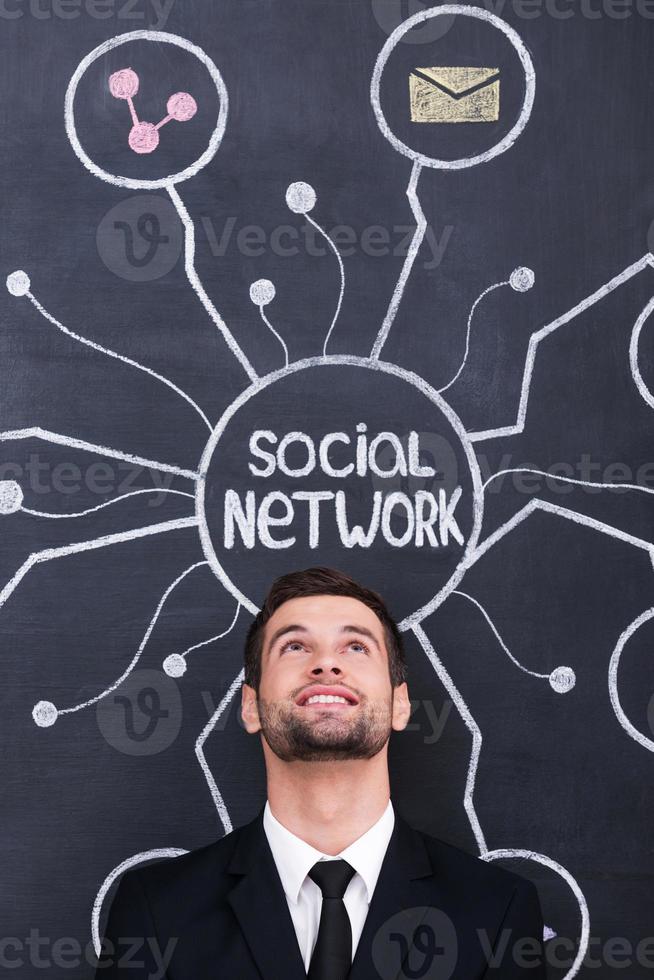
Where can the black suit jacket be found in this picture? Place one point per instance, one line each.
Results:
(437, 913)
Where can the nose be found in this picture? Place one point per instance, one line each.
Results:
(326, 665)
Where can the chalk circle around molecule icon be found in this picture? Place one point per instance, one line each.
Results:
(320, 375)
(181, 106)
(449, 10)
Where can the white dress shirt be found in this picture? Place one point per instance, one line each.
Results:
(295, 858)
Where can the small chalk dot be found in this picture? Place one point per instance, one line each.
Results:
(522, 279)
(11, 496)
(44, 714)
(124, 84)
(262, 292)
(181, 106)
(174, 665)
(562, 679)
(18, 283)
(144, 137)
(301, 197)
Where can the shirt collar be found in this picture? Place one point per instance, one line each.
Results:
(295, 858)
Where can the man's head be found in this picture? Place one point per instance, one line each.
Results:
(324, 669)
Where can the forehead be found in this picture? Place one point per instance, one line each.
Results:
(324, 614)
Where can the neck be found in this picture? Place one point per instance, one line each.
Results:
(328, 804)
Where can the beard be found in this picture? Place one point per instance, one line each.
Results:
(326, 738)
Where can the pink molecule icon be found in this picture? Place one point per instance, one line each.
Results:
(144, 136)
(124, 84)
(181, 106)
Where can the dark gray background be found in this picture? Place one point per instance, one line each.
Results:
(572, 200)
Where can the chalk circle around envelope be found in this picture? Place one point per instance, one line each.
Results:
(508, 140)
(138, 183)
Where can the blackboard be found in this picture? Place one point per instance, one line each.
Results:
(276, 270)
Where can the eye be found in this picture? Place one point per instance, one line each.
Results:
(357, 643)
(297, 644)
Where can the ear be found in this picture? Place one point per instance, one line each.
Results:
(401, 707)
(250, 709)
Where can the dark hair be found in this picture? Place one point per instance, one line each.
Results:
(321, 581)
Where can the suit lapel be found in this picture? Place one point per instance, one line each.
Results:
(405, 890)
(260, 905)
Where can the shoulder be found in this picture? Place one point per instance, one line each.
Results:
(455, 863)
(197, 871)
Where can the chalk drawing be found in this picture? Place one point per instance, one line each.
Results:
(634, 350)
(199, 751)
(175, 664)
(630, 729)
(158, 37)
(520, 280)
(145, 857)
(518, 426)
(144, 136)
(92, 510)
(554, 677)
(262, 292)
(18, 284)
(468, 800)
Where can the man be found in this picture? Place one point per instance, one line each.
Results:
(328, 879)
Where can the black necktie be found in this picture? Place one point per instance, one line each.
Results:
(332, 954)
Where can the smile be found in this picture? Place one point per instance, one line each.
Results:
(326, 699)
(326, 694)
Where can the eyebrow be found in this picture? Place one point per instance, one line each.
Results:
(298, 628)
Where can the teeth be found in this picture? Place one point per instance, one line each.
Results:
(326, 699)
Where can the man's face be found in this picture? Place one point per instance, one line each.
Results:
(325, 692)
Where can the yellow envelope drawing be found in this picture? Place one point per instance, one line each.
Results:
(453, 95)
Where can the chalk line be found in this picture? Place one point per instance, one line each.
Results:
(499, 639)
(107, 503)
(539, 335)
(416, 242)
(279, 337)
(198, 288)
(634, 344)
(547, 862)
(470, 724)
(212, 639)
(131, 862)
(137, 656)
(49, 554)
(572, 515)
(468, 800)
(496, 285)
(36, 432)
(119, 357)
(199, 751)
(569, 479)
(341, 269)
(630, 729)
